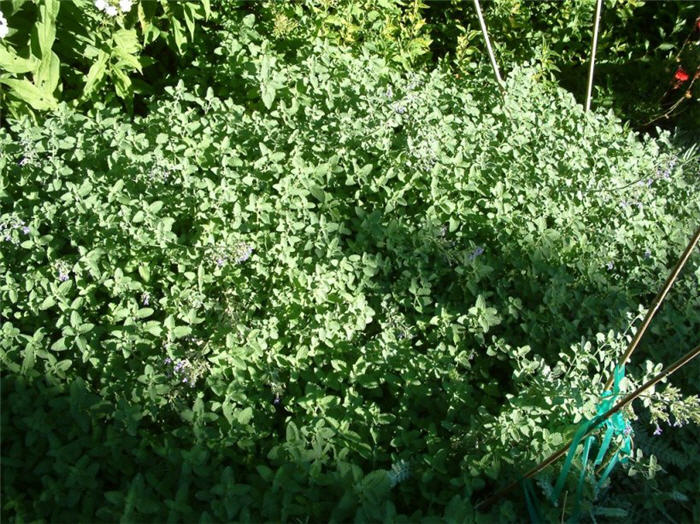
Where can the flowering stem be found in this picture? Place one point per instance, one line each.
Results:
(657, 302)
(626, 400)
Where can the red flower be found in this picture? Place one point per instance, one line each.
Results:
(681, 75)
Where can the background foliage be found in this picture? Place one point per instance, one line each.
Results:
(312, 280)
(134, 51)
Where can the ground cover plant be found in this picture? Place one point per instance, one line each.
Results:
(328, 289)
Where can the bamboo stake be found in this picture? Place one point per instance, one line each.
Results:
(492, 57)
(626, 400)
(657, 304)
(594, 46)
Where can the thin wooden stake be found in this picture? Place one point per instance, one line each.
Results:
(626, 400)
(656, 304)
(499, 80)
(594, 46)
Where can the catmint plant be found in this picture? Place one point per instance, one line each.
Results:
(11, 224)
(243, 252)
(63, 270)
(478, 251)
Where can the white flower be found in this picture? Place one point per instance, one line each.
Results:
(111, 10)
(101, 5)
(3, 26)
(125, 5)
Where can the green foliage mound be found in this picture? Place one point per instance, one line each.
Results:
(309, 305)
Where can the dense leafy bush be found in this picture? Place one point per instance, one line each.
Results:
(395, 29)
(311, 299)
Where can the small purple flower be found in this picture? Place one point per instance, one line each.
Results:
(168, 360)
(244, 253)
(478, 251)
(650, 182)
(657, 431)
(145, 298)
(25, 230)
(627, 430)
(62, 277)
(667, 174)
(609, 265)
(276, 401)
(184, 380)
(647, 253)
(220, 261)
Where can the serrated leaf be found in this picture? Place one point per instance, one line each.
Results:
(182, 331)
(267, 92)
(126, 42)
(144, 312)
(94, 77)
(47, 303)
(245, 416)
(145, 272)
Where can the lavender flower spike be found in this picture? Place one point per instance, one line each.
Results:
(244, 252)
